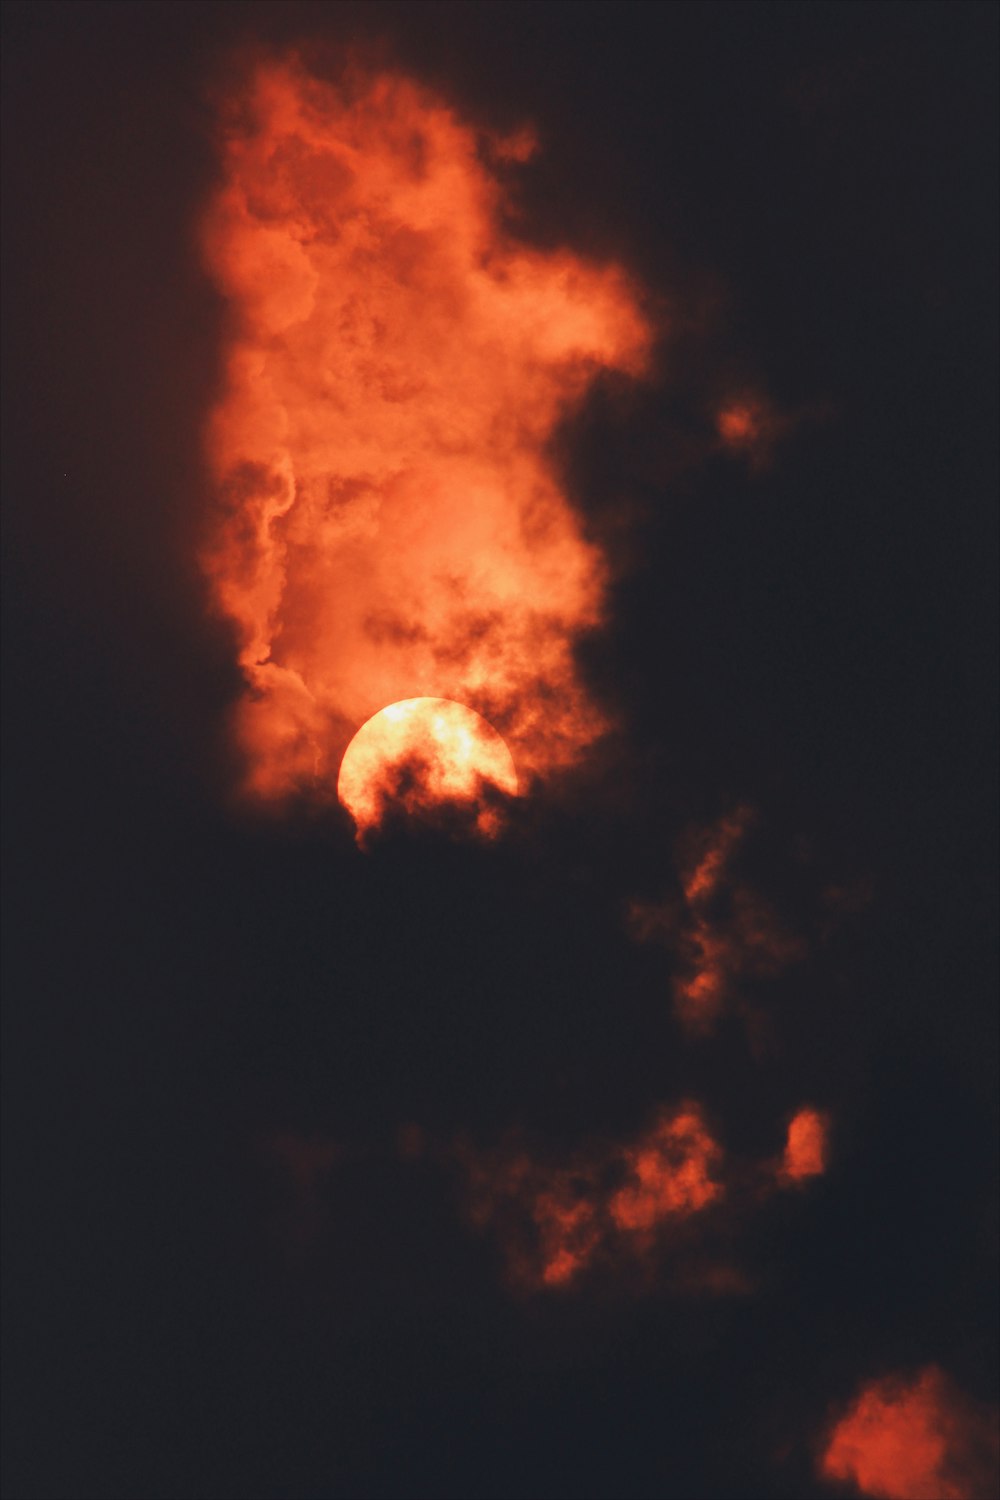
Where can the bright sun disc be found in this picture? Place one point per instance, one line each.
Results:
(422, 754)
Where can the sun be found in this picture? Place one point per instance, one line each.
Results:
(426, 756)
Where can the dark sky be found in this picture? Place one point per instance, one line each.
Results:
(810, 189)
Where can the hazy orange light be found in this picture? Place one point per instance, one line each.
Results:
(421, 754)
(388, 521)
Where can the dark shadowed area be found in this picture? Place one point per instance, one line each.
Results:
(245, 1062)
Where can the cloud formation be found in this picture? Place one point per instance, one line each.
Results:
(915, 1437)
(388, 522)
(722, 931)
(556, 1220)
(620, 1204)
(807, 1146)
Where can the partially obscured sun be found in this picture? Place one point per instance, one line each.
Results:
(425, 754)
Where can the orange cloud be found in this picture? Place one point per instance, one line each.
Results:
(806, 1148)
(722, 931)
(617, 1205)
(712, 850)
(915, 1438)
(610, 1205)
(388, 523)
(669, 1172)
(638, 1208)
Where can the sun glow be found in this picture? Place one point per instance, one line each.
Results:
(422, 755)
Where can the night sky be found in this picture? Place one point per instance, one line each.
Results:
(243, 1059)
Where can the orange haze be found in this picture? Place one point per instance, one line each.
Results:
(387, 522)
(915, 1438)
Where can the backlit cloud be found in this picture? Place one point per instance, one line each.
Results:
(388, 523)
